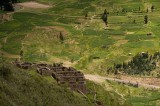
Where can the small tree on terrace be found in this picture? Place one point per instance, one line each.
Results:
(147, 10)
(152, 8)
(105, 17)
(146, 19)
(86, 15)
(61, 37)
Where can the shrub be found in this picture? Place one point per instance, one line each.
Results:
(5, 72)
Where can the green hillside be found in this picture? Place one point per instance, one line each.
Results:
(72, 32)
(87, 43)
(28, 88)
(19, 87)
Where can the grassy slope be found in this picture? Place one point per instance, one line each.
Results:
(22, 34)
(21, 87)
(106, 96)
(137, 96)
(30, 89)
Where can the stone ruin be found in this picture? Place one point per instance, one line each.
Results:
(71, 77)
(5, 17)
(64, 76)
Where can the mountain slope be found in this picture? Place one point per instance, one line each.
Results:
(23, 88)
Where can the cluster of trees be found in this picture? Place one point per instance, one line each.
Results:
(6, 5)
(142, 63)
(105, 15)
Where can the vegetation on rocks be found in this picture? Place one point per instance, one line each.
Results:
(141, 64)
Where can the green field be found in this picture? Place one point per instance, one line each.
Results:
(88, 45)
(83, 38)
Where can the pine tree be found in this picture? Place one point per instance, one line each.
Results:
(147, 10)
(139, 8)
(152, 8)
(105, 17)
(61, 37)
(146, 19)
(134, 21)
(6, 5)
(86, 15)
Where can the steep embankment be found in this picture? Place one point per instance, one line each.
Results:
(21, 88)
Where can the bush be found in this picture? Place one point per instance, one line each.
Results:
(5, 72)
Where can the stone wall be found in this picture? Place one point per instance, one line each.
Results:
(67, 77)
(5, 17)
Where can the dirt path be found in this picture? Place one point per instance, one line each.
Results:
(120, 42)
(34, 5)
(8, 55)
(100, 79)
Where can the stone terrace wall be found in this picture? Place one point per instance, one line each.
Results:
(5, 17)
(68, 77)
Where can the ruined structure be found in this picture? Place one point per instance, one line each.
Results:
(67, 77)
(5, 17)
(71, 77)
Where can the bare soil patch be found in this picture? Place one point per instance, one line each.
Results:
(149, 81)
(117, 37)
(141, 81)
(5, 54)
(34, 5)
(66, 63)
(95, 78)
(129, 33)
(120, 42)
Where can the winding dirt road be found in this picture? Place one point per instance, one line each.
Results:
(100, 79)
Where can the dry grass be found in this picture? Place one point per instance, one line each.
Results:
(120, 42)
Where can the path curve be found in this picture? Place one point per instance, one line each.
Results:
(100, 79)
(34, 5)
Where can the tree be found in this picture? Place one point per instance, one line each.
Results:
(134, 21)
(5, 72)
(8, 7)
(139, 9)
(105, 17)
(86, 15)
(2, 4)
(152, 8)
(21, 53)
(146, 19)
(14, 1)
(61, 37)
(123, 10)
(116, 71)
(147, 10)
